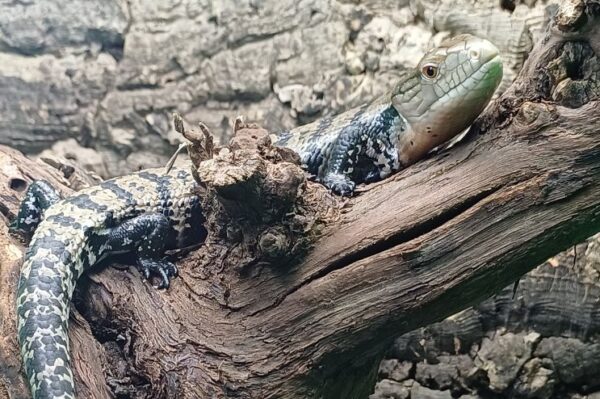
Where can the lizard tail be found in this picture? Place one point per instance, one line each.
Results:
(44, 294)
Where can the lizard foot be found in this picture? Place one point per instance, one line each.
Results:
(340, 184)
(161, 268)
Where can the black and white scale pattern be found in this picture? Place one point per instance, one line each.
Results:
(75, 234)
(351, 148)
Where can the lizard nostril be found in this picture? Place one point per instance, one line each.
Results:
(474, 54)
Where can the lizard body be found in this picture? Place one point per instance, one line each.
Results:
(150, 211)
(428, 106)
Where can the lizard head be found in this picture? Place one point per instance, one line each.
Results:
(450, 87)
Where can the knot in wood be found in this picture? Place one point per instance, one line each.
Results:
(252, 179)
(274, 243)
(285, 181)
(17, 184)
(530, 113)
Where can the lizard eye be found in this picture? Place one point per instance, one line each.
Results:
(429, 71)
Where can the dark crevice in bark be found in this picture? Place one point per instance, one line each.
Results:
(391, 242)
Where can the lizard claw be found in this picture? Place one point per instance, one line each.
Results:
(161, 268)
(340, 184)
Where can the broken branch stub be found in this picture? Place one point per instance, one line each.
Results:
(256, 193)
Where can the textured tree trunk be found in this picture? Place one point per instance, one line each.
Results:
(297, 294)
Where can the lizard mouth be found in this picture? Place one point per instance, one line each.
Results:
(485, 52)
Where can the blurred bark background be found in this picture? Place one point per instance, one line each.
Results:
(97, 82)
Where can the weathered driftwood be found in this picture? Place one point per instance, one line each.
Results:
(539, 340)
(297, 294)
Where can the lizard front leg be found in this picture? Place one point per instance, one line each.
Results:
(363, 151)
(343, 155)
(39, 196)
(146, 236)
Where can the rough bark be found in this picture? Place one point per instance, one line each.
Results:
(538, 341)
(296, 294)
